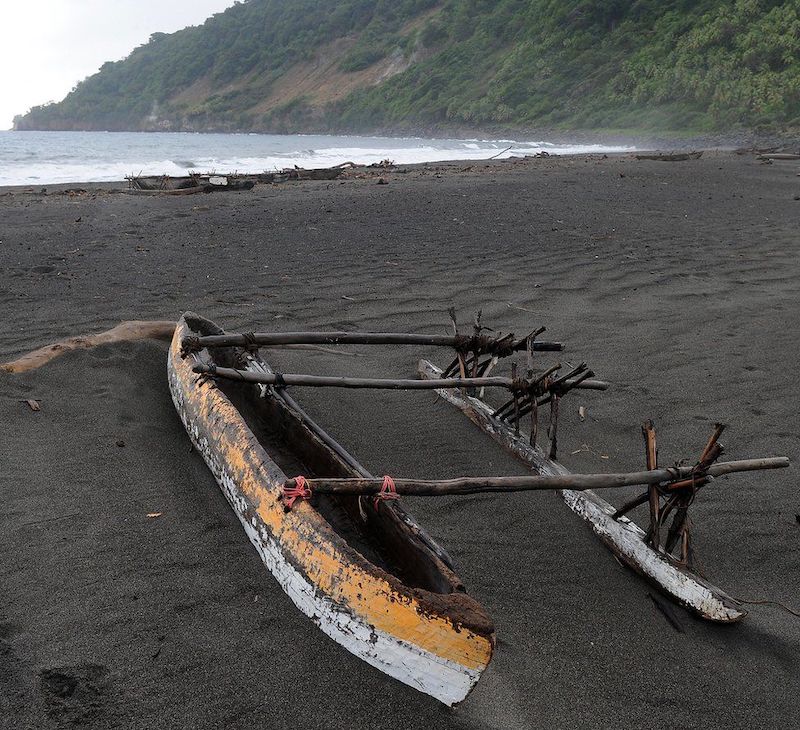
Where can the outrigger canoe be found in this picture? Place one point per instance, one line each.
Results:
(362, 569)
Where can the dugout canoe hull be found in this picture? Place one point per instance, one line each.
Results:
(424, 631)
(622, 536)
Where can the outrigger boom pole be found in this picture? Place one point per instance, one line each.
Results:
(459, 342)
(575, 482)
(318, 381)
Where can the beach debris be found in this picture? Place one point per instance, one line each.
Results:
(33, 404)
(189, 184)
(382, 181)
(780, 156)
(120, 443)
(511, 305)
(153, 515)
(123, 332)
(671, 157)
(157, 652)
(586, 449)
(501, 152)
(582, 412)
(300, 174)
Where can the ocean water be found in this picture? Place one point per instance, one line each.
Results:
(37, 158)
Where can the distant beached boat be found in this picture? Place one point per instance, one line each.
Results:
(185, 185)
(671, 157)
(299, 173)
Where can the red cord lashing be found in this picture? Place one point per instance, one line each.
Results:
(388, 491)
(299, 491)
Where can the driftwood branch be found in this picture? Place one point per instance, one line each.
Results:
(575, 482)
(123, 332)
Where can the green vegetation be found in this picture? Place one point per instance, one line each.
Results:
(658, 64)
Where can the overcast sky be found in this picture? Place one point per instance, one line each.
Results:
(47, 46)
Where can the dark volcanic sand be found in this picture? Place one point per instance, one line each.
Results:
(680, 283)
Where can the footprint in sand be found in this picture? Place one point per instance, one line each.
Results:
(74, 692)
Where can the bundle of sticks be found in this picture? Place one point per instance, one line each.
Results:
(675, 496)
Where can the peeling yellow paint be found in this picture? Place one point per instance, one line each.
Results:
(305, 536)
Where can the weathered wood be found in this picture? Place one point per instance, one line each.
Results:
(426, 632)
(779, 156)
(552, 431)
(632, 504)
(322, 381)
(624, 538)
(711, 445)
(672, 157)
(508, 343)
(574, 482)
(124, 332)
(267, 339)
(654, 498)
(256, 364)
(505, 410)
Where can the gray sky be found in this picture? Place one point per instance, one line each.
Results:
(48, 46)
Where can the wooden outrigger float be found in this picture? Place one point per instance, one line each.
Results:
(624, 538)
(338, 540)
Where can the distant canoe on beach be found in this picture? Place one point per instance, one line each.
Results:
(675, 157)
(189, 184)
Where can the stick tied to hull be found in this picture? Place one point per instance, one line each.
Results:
(322, 381)
(500, 346)
(575, 482)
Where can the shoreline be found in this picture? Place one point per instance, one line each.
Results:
(442, 166)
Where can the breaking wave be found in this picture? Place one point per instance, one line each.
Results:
(41, 158)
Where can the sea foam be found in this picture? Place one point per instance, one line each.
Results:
(41, 158)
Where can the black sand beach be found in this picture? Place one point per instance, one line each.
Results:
(677, 282)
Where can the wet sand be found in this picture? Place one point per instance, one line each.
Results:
(677, 282)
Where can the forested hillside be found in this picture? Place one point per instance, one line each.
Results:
(303, 65)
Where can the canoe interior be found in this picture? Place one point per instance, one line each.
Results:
(379, 535)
